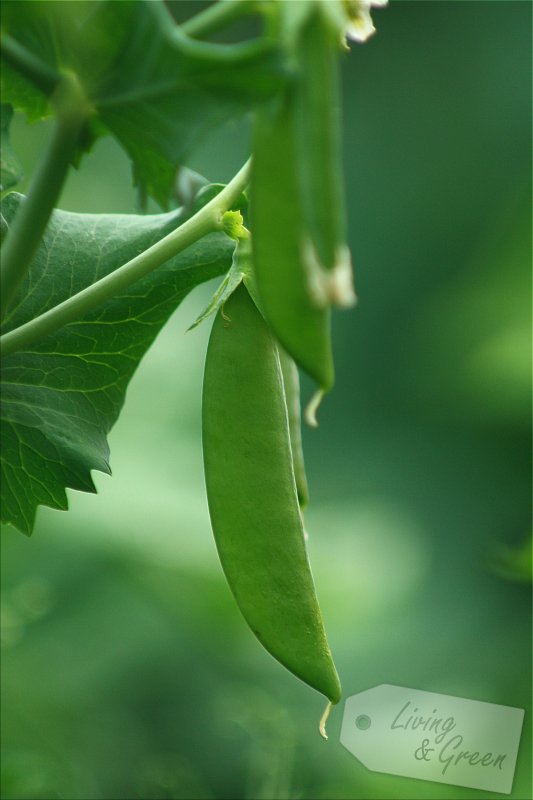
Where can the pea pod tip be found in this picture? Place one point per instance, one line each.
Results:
(312, 407)
(323, 720)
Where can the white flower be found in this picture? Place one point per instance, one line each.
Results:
(359, 25)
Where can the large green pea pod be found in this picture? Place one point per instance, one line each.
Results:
(252, 496)
(301, 324)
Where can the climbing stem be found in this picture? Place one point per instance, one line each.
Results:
(217, 16)
(207, 220)
(29, 65)
(24, 235)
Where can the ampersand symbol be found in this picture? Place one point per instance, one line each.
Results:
(422, 752)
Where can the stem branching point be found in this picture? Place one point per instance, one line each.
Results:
(206, 220)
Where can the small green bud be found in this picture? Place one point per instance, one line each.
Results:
(233, 225)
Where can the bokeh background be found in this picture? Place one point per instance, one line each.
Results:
(127, 671)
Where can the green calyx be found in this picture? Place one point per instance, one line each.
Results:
(233, 225)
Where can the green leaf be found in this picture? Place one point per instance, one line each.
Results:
(21, 94)
(61, 398)
(187, 186)
(153, 88)
(10, 167)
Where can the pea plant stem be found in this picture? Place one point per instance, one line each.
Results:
(35, 70)
(207, 220)
(217, 16)
(29, 224)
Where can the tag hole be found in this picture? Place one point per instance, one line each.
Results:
(363, 722)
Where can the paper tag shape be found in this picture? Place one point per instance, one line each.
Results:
(433, 737)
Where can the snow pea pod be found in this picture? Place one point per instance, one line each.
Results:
(316, 96)
(301, 325)
(291, 383)
(252, 496)
(317, 104)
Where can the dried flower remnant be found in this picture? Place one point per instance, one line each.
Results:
(359, 25)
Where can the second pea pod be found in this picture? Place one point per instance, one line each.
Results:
(252, 494)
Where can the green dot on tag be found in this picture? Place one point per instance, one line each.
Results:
(363, 722)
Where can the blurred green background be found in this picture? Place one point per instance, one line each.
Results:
(127, 671)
